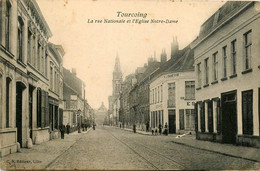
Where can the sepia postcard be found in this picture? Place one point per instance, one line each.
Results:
(129, 85)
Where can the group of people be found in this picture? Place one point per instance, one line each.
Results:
(159, 129)
(66, 129)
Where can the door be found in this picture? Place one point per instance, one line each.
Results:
(172, 121)
(19, 110)
(229, 117)
(30, 109)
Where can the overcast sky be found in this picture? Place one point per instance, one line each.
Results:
(91, 47)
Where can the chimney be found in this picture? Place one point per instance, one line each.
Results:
(174, 46)
(150, 61)
(163, 56)
(74, 71)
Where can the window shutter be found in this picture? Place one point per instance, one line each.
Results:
(42, 108)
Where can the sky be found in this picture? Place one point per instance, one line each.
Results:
(91, 48)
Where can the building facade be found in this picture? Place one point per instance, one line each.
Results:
(172, 94)
(227, 64)
(74, 100)
(55, 92)
(24, 75)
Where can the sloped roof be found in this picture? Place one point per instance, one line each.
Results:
(183, 61)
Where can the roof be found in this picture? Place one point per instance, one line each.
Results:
(221, 15)
(183, 61)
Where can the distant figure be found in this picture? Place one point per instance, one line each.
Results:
(152, 131)
(166, 129)
(68, 128)
(160, 129)
(147, 126)
(156, 131)
(62, 131)
(120, 125)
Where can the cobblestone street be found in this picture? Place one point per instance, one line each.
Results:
(112, 148)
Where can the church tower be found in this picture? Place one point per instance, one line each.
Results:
(117, 77)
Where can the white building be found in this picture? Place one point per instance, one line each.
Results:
(228, 75)
(172, 93)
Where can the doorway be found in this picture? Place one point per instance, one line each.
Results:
(31, 88)
(229, 117)
(19, 110)
(172, 121)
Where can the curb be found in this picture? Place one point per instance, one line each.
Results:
(225, 154)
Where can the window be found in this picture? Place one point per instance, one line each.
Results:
(215, 66)
(7, 24)
(189, 90)
(248, 45)
(206, 71)
(155, 95)
(181, 119)
(51, 78)
(29, 46)
(39, 57)
(233, 56)
(247, 112)
(20, 40)
(224, 49)
(161, 93)
(34, 51)
(46, 57)
(171, 95)
(190, 119)
(8, 101)
(42, 60)
(199, 74)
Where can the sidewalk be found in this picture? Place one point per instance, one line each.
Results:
(248, 153)
(40, 156)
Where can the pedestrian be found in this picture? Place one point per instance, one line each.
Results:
(120, 125)
(147, 126)
(160, 129)
(68, 128)
(166, 129)
(62, 131)
(156, 130)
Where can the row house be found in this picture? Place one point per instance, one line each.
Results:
(139, 95)
(24, 75)
(55, 92)
(172, 92)
(227, 64)
(74, 99)
(124, 111)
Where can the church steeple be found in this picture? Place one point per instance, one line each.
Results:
(117, 68)
(117, 77)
